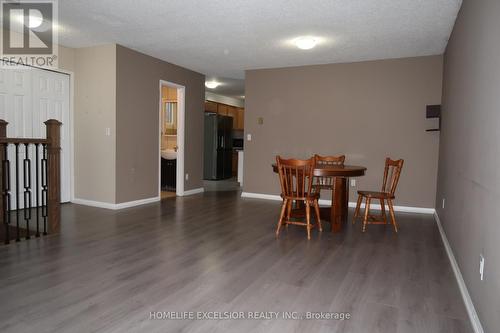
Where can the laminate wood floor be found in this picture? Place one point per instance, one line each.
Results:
(108, 270)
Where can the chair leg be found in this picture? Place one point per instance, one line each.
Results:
(289, 212)
(308, 219)
(367, 212)
(382, 209)
(318, 219)
(393, 217)
(356, 211)
(282, 215)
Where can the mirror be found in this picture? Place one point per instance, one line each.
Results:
(170, 118)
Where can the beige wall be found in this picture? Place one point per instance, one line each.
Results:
(66, 58)
(118, 88)
(137, 120)
(365, 110)
(94, 111)
(169, 142)
(469, 157)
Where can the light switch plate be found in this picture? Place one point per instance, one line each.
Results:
(353, 182)
(249, 137)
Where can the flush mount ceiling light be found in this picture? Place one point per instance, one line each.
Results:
(212, 84)
(305, 43)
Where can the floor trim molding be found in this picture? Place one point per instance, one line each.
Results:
(471, 310)
(112, 206)
(374, 206)
(193, 191)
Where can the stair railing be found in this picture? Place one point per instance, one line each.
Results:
(36, 193)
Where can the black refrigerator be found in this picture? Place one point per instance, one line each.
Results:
(218, 147)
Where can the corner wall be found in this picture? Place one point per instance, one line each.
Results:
(94, 111)
(137, 120)
(469, 159)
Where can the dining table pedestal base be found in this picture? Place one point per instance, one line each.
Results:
(337, 213)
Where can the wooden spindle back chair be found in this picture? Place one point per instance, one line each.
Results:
(326, 182)
(392, 172)
(296, 179)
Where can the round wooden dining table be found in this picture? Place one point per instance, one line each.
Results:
(337, 213)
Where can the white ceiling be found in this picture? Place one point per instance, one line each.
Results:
(222, 38)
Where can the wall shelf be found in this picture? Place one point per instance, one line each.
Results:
(433, 111)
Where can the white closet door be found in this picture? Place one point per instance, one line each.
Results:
(51, 101)
(28, 97)
(16, 109)
(15, 101)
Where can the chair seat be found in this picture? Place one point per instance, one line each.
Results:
(307, 196)
(324, 186)
(376, 195)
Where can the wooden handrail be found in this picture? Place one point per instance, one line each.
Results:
(24, 140)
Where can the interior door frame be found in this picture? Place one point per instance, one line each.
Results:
(181, 112)
(71, 128)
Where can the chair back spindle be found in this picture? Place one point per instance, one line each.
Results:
(392, 171)
(296, 177)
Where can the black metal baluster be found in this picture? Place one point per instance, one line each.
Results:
(37, 189)
(18, 234)
(6, 192)
(27, 189)
(44, 188)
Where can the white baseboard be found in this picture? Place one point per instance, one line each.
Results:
(471, 310)
(193, 191)
(129, 204)
(407, 209)
(108, 205)
(261, 196)
(374, 206)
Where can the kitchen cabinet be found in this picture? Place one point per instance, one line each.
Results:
(233, 113)
(168, 174)
(238, 114)
(240, 119)
(222, 109)
(210, 106)
(235, 163)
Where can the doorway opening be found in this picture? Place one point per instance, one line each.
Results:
(171, 140)
(223, 143)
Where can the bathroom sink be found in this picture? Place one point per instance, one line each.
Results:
(169, 154)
